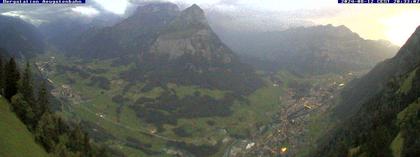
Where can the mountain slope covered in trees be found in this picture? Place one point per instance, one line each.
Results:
(57, 136)
(19, 38)
(381, 112)
(368, 86)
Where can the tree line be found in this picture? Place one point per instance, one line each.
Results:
(57, 136)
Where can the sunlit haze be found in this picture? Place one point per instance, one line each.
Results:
(389, 22)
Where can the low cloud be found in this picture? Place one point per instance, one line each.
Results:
(86, 11)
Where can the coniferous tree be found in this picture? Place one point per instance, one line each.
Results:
(27, 90)
(77, 139)
(46, 132)
(1, 75)
(26, 87)
(42, 100)
(50, 130)
(23, 110)
(11, 79)
(87, 147)
(62, 126)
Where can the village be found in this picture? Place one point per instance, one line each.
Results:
(288, 133)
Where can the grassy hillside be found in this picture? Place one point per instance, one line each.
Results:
(15, 139)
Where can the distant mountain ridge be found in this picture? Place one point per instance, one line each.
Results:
(19, 38)
(311, 50)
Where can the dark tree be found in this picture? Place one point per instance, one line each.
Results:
(12, 77)
(77, 139)
(42, 100)
(87, 149)
(23, 110)
(26, 87)
(46, 132)
(1, 75)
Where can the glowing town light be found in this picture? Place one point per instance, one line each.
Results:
(283, 150)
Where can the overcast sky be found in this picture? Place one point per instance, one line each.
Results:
(390, 22)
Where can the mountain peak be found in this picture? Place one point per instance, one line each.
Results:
(193, 14)
(195, 7)
(151, 15)
(157, 7)
(190, 33)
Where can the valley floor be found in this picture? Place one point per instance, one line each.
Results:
(289, 112)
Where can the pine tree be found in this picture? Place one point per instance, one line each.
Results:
(27, 90)
(76, 139)
(1, 75)
(46, 132)
(24, 111)
(87, 147)
(26, 87)
(62, 126)
(11, 79)
(42, 100)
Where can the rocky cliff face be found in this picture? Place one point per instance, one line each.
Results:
(129, 37)
(190, 34)
(157, 29)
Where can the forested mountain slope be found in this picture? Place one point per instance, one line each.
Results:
(387, 110)
(31, 105)
(359, 90)
(20, 38)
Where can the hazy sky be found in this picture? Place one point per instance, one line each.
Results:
(391, 22)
